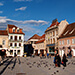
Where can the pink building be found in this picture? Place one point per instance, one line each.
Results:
(66, 41)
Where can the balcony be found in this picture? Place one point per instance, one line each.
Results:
(11, 40)
(15, 47)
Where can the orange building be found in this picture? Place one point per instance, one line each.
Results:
(66, 40)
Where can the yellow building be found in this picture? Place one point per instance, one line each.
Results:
(3, 41)
(52, 33)
(40, 46)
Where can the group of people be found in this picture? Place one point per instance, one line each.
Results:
(58, 61)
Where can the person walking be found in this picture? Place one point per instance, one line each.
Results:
(55, 60)
(58, 60)
(64, 60)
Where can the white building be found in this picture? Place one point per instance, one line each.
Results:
(16, 40)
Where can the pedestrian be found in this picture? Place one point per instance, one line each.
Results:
(58, 60)
(49, 55)
(55, 60)
(64, 60)
(41, 55)
(70, 53)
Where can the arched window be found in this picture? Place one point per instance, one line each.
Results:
(10, 44)
(19, 37)
(19, 44)
(11, 37)
(15, 37)
(15, 44)
(3, 42)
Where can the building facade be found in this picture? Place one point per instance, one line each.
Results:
(52, 33)
(16, 40)
(33, 39)
(40, 46)
(12, 40)
(3, 42)
(66, 40)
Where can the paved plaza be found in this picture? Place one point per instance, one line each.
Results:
(35, 66)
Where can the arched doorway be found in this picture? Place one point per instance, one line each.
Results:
(42, 52)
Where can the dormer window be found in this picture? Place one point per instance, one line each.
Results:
(18, 30)
(14, 29)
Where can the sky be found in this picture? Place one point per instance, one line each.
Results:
(34, 16)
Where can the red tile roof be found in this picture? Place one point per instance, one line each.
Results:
(53, 24)
(3, 32)
(35, 37)
(10, 27)
(69, 31)
(40, 41)
(57, 23)
(43, 36)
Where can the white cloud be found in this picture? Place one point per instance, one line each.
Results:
(22, 0)
(35, 22)
(1, 4)
(31, 22)
(25, 25)
(1, 11)
(21, 8)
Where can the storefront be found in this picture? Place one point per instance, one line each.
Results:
(51, 48)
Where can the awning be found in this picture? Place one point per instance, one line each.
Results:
(50, 45)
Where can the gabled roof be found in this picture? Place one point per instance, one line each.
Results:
(53, 24)
(10, 27)
(56, 23)
(3, 32)
(35, 37)
(42, 39)
(69, 31)
(43, 36)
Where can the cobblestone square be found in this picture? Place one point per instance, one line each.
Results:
(36, 66)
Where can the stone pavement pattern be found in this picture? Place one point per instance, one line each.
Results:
(37, 66)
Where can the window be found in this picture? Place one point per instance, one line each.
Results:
(19, 37)
(11, 52)
(53, 40)
(19, 44)
(15, 44)
(18, 52)
(15, 37)
(68, 41)
(18, 30)
(53, 33)
(56, 32)
(63, 42)
(31, 42)
(50, 33)
(60, 42)
(11, 37)
(10, 44)
(73, 41)
(3, 42)
(13, 30)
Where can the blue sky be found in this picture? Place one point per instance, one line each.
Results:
(34, 16)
